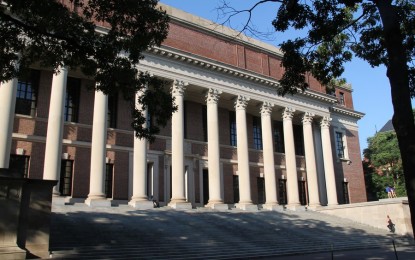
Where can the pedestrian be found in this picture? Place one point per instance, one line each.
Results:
(389, 191)
(392, 189)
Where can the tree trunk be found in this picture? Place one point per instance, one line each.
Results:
(397, 72)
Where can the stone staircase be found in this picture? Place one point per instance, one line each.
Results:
(81, 232)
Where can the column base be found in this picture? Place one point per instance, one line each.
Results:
(180, 205)
(246, 206)
(295, 207)
(9, 252)
(217, 206)
(58, 200)
(141, 204)
(98, 202)
(313, 207)
(271, 207)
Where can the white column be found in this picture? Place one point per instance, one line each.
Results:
(268, 155)
(139, 199)
(245, 201)
(8, 91)
(310, 160)
(53, 152)
(96, 196)
(215, 195)
(328, 162)
(178, 199)
(290, 160)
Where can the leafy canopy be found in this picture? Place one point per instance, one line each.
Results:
(103, 39)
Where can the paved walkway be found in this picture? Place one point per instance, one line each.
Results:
(81, 232)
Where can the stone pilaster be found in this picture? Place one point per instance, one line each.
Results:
(290, 159)
(97, 196)
(310, 159)
(328, 162)
(268, 155)
(53, 151)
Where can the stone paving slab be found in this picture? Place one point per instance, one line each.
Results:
(79, 231)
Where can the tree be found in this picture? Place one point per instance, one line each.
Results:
(383, 165)
(378, 31)
(104, 39)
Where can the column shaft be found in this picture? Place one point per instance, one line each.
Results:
(98, 148)
(290, 159)
(328, 162)
(8, 91)
(310, 160)
(53, 152)
(268, 155)
(243, 153)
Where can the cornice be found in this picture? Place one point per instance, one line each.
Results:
(209, 64)
(348, 112)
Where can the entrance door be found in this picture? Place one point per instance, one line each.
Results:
(282, 188)
(65, 183)
(205, 186)
(235, 188)
(346, 192)
(302, 192)
(261, 190)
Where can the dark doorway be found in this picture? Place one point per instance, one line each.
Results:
(282, 188)
(205, 186)
(235, 189)
(109, 179)
(171, 186)
(261, 190)
(302, 192)
(65, 182)
(346, 192)
(19, 164)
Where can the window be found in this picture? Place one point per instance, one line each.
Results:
(278, 137)
(73, 88)
(109, 170)
(112, 110)
(232, 126)
(341, 98)
(204, 123)
(19, 164)
(65, 183)
(298, 139)
(26, 96)
(340, 145)
(257, 133)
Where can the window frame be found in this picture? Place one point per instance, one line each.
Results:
(257, 133)
(72, 100)
(232, 129)
(278, 136)
(341, 144)
(27, 85)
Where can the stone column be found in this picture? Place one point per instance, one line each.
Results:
(268, 155)
(245, 201)
(290, 160)
(53, 151)
(178, 199)
(8, 91)
(328, 162)
(310, 160)
(215, 196)
(96, 196)
(139, 199)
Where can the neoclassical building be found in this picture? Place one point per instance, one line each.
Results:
(233, 142)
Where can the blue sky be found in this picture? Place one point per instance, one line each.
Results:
(371, 90)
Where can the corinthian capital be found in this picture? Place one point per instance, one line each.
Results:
(325, 122)
(266, 108)
(178, 88)
(288, 113)
(212, 96)
(241, 102)
(308, 118)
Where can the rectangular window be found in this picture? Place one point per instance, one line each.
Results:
(341, 98)
(204, 122)
(298, 139)
(278, 137)
(112, 110)
(339, 145)
(65, 183)
(73, 89)
(109, 170)
(19, 164)
(257, 133)
(232, 128)
(27, 91)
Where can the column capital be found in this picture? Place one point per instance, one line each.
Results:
(178, 88)
(325, 122)
(308, 118)
(288, 113)
(266, 108)
(241, 102)
(212, 96)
